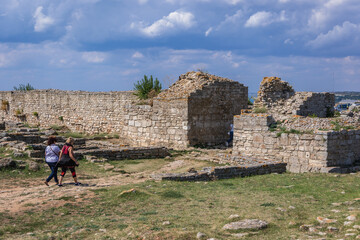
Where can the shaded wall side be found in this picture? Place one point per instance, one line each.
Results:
(320, 104)
(343, 148)
(212, 110)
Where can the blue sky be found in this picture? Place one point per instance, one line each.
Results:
(108, 45)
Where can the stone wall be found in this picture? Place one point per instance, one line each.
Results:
(212, 110)
(197, 109)
(302, 152)
(281, 101)
(224, 172)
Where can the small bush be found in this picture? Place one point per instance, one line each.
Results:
(61, 118)
(260, 110)
(313, 115)
(249, 102)
(36, 114)
(147, 87)
(18, 112)
(24, 88)
(337, 114)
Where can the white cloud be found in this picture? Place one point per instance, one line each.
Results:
(137, 55)
(42, 22)
(288, 41)
(94, 57)
(320, 17)
(348, 31)
(229, 20)
(233, 2)
(208, 31)
(262, 19)
(142, 1)
(175, 20)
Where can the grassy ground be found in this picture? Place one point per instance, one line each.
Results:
(197, 207)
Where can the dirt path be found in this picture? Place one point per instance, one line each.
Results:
(19, 196)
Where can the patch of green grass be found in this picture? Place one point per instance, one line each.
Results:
(172, 194)
(260, 110)
(74, 135)
(56, 127)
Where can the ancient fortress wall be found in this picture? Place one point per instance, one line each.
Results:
(302, 152)
(197, 109)
(211, 111)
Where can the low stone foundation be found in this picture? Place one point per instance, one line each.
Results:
(224, 172)
(125, 153)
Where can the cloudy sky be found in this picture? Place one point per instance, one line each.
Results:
(108, 45)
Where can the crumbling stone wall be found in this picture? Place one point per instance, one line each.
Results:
(281, 101)
(302, 152)
(196, 109)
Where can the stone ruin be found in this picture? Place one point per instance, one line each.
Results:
(297, 129)
(294, 132)
(196, 110)
(281, 101)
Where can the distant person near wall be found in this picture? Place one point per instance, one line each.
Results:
(231, 135)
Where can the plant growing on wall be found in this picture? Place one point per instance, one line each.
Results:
(4, 105)
(36, 114)
(19, 112)
(147, 87)
(24, 88)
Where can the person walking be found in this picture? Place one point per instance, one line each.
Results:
(68, 161)
(51, 158)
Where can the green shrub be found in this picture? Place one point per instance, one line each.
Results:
(61, 118)
(36, 114)
(249, 102)
(260, 110)
(313, 115)
(24, 88)
(147, 87)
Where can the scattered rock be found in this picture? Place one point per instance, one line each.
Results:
(291, 207)
(335, 210)
(7, 163)
(240, 235)
(323, 220)
(50, 132)
(281, 209)
(118, 170)
(233, 216)
(336, 204)
(332, 229)
(33, 166)
(166, 223)
(192, 170)
(351, 218)
(348, 223)
(356, 226)
(200, 235)
(252, 224)
(109, 167)
(350, 234)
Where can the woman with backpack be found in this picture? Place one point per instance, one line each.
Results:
(68, 161)
(51, 158)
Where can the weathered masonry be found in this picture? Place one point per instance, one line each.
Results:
(304, 143)
(197, 109)
(319, 151)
